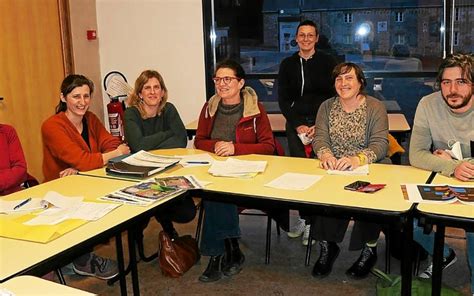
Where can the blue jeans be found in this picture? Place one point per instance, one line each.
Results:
(427, 242)
(221, 221)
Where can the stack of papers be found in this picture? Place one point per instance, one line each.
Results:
(23, 205)
(144, 193)
(62, 208)
(236, 168)
(147, 159)
(360, 171)
(141, 164)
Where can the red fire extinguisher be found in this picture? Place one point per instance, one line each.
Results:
(115, 112)
(116, 86)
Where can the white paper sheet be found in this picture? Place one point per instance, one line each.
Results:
(360, 171)
(61, 201)
(89, 211)
(294, 181)
(8, 206)
(147, 159)
(232, 167)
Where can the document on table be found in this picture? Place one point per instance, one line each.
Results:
(440, 193)
(294, 181)
(147, 159)
(14, 206)
(89, 211)
(192, 160)
(69, 207)
(232, 167)
(360, 171)
(31, 204)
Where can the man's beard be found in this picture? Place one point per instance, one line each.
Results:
(465, 100)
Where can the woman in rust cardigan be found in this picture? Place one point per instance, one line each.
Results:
(75, 140)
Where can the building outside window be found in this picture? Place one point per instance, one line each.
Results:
(347, 39)
(348, 17)
(399, 38)
(399, 17)
(456, 38)
(383, 37)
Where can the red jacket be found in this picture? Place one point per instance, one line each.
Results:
(253, 133)
(64, 147)
(12, 161)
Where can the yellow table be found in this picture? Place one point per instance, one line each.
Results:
(27, 257)
(29, 285)
(445, 215)
(326, 197)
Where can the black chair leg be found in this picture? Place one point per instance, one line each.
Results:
(278, 228)
(60, 276)
(269, 239)
(141, 251)
(199, 223)
(416, 262)
(310, 245)
(387, 251)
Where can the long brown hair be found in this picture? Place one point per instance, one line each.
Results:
(134, 98)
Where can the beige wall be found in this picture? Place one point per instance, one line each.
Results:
(165, 35)
(85, 52)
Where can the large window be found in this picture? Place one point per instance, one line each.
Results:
(399, 50)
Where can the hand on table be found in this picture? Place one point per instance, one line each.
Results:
(464, 171)
(68, 172)
(223, 148)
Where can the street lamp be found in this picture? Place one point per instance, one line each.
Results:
(362, 32)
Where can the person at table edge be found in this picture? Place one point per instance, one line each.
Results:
(442, 119)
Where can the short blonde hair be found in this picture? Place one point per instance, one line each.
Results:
(134, 98)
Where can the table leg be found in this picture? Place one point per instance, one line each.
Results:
(133, 261)
(268, 241)
(437, 261)
(406, 262)
(120, 262)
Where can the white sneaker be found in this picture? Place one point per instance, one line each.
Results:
(298, 229)
(306, 236)
(447, 262)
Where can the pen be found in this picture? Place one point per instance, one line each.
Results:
(22, 203)
(197, 162)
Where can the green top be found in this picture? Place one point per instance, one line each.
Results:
(160, 132)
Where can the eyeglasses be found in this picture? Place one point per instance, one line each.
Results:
(227, 80)
(306, 36)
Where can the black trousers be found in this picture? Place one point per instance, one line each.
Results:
(295, 145)
(333, 230)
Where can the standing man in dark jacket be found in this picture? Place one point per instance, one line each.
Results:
(304, 82)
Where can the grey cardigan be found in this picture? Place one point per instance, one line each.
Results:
(376, 130)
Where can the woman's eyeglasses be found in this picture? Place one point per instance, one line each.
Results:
(227, 80)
